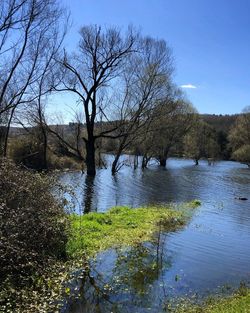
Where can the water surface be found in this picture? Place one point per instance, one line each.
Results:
(212, 252)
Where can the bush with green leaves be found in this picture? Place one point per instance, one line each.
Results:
(33, 224)
(239, 138)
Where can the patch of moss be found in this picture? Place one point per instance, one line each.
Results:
(122, 226)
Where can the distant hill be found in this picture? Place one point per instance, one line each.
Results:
(221, 123)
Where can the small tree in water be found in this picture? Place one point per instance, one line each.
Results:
(201, 142)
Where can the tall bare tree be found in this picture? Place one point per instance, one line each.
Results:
(28, 30)
(90, 71)
(146, 84)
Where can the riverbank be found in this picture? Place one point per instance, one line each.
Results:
(88, 235)
(236, 303)
(96, 232)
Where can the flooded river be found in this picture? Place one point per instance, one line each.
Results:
(209, 255)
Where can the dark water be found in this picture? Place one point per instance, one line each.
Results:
(210, 254)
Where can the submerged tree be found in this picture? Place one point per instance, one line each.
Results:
(201, 141)
(147, 83)
(172, 128)
(93, 70)
(173, 119)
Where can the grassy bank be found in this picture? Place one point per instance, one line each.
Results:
(88, 235)
(95, 232)
(238, 303)
(235, 304)
(121, 226)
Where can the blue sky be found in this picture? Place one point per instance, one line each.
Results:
(210, 41)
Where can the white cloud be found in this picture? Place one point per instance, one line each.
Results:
(189, 86)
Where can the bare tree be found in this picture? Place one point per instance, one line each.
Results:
(147, 83)
(94, 68)
(28, 30)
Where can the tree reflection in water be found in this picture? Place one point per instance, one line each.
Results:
(88, 193)
(125, 281)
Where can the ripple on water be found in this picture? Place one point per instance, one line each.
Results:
(212, 250)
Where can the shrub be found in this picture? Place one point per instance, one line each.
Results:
(63, 162)
(33, 225)
(242, 154)
(28, 152)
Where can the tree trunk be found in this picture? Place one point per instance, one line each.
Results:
(145, 160)
(118, 154)
(136, 161)
(45, 148)
(90, 156)
(163, 161)
(6, 139)
(116, 160)
(2, 139)
(163, 157)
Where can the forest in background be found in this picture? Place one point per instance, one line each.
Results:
(122, 90)
(213, 143)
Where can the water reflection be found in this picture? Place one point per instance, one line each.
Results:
(124, 280)
(89, 190)
(211, 251)
(180, 181)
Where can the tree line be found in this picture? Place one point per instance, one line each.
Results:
(121, 83)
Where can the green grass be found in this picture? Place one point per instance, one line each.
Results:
(237, 303)
(89, 234)
(123, 226)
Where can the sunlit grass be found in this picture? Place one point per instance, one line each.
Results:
(121, 226)
(237, 303)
